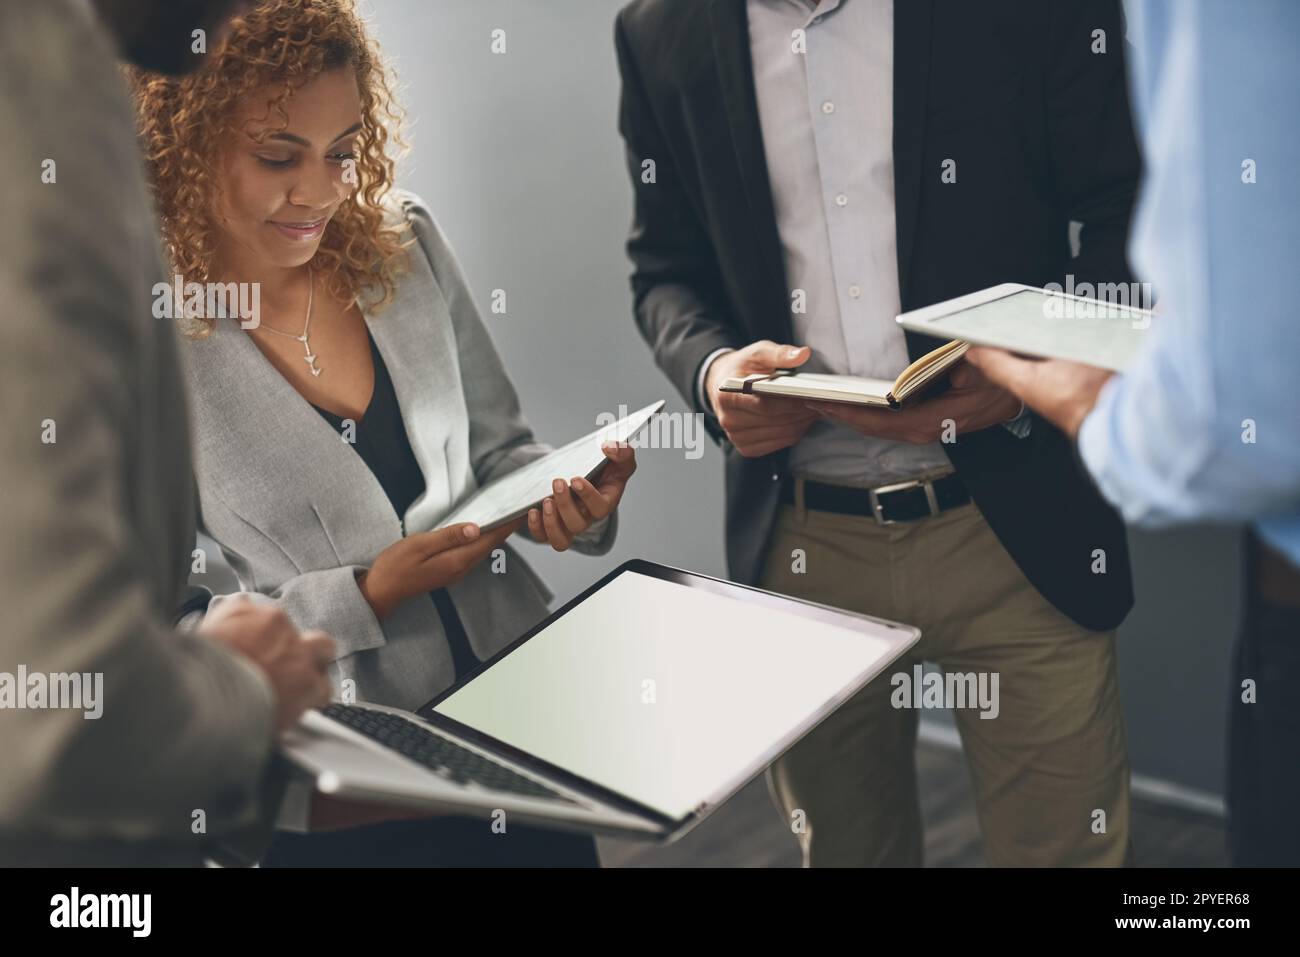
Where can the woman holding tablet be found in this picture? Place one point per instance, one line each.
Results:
(357, 401)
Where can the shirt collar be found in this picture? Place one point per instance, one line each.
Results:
(814, 10)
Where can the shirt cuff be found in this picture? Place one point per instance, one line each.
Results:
(1021, 425)
(1093, 442)
(295, 807)
(595, 532)
(701, 397)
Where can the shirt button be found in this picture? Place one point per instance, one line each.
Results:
(841, 200)
(855, 292)
(775, 477)
(828, 107)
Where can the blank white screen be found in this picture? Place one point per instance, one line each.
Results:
(530, 483)
(1109, 336)
(730, 679)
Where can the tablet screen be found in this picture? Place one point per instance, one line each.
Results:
(513, 494)
(667, 693)
(1039, 323)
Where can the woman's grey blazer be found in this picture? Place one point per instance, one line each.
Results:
(298, 514)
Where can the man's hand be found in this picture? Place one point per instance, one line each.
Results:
(295, 663)
(972, 403)
(758, 425)
(1062, 392)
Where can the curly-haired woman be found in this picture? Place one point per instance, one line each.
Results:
(365, 401)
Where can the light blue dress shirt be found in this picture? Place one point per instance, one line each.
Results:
(1206, 425)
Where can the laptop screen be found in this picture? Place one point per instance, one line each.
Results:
(673, 692)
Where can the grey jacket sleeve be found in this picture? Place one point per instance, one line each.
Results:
(185, 726)
(500, 439)
(328, 599)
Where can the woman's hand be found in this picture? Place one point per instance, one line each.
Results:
(426, 562)
(575, 506)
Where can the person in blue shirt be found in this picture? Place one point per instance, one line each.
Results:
(1205, 425)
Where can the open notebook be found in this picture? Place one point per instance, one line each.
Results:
(857, 390)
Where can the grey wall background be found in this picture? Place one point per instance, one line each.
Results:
(519, 158)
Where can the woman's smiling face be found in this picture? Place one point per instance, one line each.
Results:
(276, 197)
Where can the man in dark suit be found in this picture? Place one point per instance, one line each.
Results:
(803, 171)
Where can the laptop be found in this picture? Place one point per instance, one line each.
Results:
(634, 710)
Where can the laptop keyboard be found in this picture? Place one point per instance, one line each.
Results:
(442, 755)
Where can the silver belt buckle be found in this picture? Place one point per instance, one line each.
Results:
(877, 510)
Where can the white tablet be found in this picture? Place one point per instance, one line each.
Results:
(513, 495)
(1038, 322)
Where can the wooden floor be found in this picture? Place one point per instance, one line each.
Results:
(748, 832)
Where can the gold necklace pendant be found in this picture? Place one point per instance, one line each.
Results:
(310, 357)
(311, 294)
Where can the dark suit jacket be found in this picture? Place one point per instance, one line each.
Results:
(1040, 128)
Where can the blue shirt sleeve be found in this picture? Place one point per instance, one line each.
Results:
(1206, 424)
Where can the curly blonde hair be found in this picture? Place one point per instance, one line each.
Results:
(183, 121)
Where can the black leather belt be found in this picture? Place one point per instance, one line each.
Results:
(887, 504)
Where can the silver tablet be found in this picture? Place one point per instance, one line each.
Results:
(1038, 322)
(513, 495)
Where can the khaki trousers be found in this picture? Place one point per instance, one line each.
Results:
(1050, 771)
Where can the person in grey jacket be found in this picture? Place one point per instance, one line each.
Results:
(364, 400)
(124, 743)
